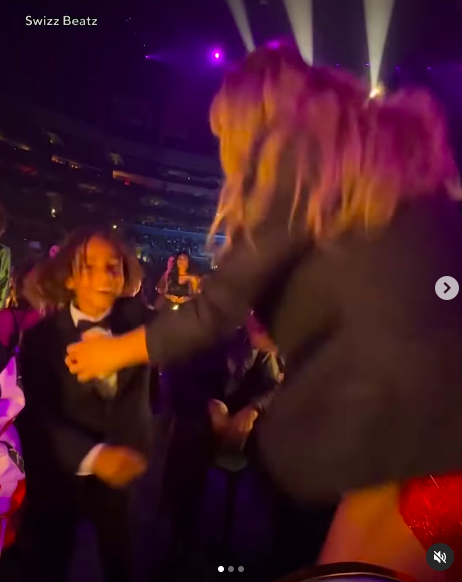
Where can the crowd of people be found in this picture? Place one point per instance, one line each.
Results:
(317, 350)
(170, 245)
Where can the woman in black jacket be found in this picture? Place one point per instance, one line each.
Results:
(339, 226)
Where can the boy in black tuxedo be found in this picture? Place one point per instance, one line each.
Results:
(83, 444)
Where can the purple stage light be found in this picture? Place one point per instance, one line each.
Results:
(216, 56)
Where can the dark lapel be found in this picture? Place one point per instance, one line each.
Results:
(66, 334)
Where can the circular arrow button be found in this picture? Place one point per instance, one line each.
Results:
(447, 288)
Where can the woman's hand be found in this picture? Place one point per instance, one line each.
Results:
(98, 356)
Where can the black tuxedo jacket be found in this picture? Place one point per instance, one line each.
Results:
(64, 419)
(373, 384)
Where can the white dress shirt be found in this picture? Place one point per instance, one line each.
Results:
(86, 466)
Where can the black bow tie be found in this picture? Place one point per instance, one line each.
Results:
(84, 325)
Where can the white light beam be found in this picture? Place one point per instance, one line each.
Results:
(300, 14)
(378, 17)
(239, 13)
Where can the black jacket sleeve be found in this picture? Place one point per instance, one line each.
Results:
(44, 432)
(243, 275)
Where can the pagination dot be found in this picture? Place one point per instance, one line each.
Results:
(240, 569)
(230, 568)
(221, 569)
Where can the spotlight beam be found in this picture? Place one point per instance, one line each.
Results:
(378, 15)
(300, 14)
(239, 13)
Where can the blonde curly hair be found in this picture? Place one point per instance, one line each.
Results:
(342, 160)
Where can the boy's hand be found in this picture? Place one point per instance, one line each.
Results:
(219, 416)
(240, 427)
(242, 422)
(118, 466)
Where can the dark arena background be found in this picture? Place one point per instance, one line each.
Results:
(104, 121)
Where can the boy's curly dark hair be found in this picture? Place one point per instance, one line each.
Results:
(53, 273)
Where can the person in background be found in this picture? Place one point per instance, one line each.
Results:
(213, 399)
(83, 445)
(161, 286)
(34, 250)
(23, 312)
(5, 261)
(138, 308)
(54, 250)
(255, 374)
(298, 531)
(181, 284)
(24, 309)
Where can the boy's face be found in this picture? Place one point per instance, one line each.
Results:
(98, 279)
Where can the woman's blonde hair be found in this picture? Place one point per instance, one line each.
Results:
(313, 136)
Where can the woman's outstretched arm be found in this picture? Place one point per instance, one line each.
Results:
(247, 270)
